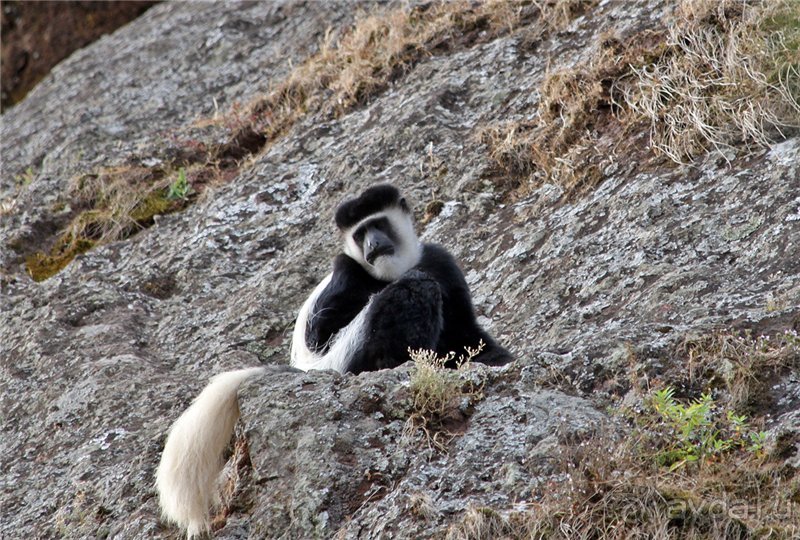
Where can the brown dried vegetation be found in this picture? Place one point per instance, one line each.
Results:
(235, 481)
(742, 364)
(728, 77)
(111, 205)
(353, 65)
(574, 134)
(611, 493)
(717, 75)
(613, 487)
(439, 395)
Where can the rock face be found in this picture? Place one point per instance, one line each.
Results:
(98, 360)
(36, 38)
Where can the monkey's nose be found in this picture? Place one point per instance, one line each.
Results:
(377, 244)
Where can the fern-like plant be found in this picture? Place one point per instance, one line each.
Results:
(697, 431)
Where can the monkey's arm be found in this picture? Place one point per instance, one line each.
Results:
(347, 293)
(461, 328)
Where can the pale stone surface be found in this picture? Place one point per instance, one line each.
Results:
(94, 367)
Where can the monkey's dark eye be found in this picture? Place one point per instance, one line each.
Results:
(381, 224)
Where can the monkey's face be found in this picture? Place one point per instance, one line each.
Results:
(384, 243)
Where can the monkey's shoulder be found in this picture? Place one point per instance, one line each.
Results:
(440, 263)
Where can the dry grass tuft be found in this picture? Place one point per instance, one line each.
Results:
(573, 135)
(612, 490)
(616, 491)
(112, 205)
(729, 77)
(744, 363)
(421, 506)
(355, 64)
(722, 74)
(234, 480)
(483, 523)
(114, 199)
(440, 395)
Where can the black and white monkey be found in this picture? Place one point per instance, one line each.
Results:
(387, 293)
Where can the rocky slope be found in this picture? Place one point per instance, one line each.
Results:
(36, 38)
(594, 294)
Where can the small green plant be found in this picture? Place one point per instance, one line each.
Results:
(697, 431)
(25, 178)
(180, 188)
(438, 393)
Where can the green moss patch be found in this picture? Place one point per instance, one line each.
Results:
(41, 266)
(114, 205)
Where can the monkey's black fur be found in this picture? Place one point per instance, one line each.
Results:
(428, 308)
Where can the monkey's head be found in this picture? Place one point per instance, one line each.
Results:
(378, 231)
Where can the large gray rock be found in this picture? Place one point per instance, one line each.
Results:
(332, 454)
(98, 360)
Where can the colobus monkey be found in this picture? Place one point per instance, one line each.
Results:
(387, 293)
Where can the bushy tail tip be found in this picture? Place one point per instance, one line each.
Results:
(190, 465)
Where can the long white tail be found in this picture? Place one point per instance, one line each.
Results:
(192, 460)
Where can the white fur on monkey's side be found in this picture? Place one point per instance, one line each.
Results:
(187, 476)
